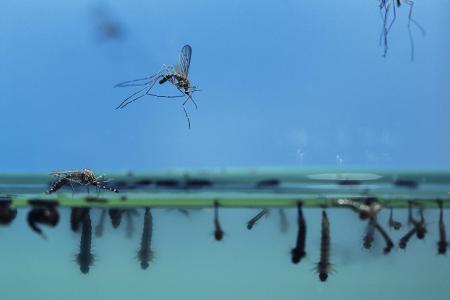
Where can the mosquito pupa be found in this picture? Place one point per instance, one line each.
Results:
(7, 213)
(218, 232)
(115, 214)
(85, 258)
(47, 215)
(370, 232)
(442, 243)
(256, 218)
(323, 267)
(101, 223)
(387, 239)
(284, 223)
(298, 252)
(392, 223)
(145, 253)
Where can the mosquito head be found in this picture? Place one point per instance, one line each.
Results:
(323, 276)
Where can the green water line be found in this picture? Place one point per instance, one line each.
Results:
(252, 188)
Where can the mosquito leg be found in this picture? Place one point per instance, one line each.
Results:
(128, 101)
(187, 117)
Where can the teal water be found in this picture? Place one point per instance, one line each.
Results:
(246, 264)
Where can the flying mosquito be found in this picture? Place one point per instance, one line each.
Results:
(176, 75)
(84, 177)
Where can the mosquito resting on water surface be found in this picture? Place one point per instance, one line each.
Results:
(176, 75)
(84, 177)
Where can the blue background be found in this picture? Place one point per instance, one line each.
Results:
(284, 83)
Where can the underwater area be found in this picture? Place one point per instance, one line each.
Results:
(224, 149)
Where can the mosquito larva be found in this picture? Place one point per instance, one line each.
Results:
(115, 214)
(324, 265)
(298, 252)
(387, 239)
(218, 232)
(404, 240)
(129, 229)
(420, 226)
(85, 258)
(256, 218)
(101, 224)
(370, 232)
(442, 243)
(284, 224)
(392, 223)
(76, 217)
(145, 253)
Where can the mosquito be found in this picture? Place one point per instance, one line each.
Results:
(176, 75)
(84, 177)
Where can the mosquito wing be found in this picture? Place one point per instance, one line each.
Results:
(63, 173)
(185, 61)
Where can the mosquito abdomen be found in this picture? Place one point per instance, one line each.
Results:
(145, 253)
(298, 252)
(324, 265)
(85, 258)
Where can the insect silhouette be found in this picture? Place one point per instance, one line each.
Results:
(256, 218)
(324, 266)
(129, 228)
(284, 223)
(47, 215)
(176, 75)
(442, 243)
(218, 232)
(145, 253)
(392, 223)
(76, 217)
(84, 177)
(387, 239)
(101, 224)
(115, 214)
(7, 213)
(85, 258)
(370, 232)
(298, 252)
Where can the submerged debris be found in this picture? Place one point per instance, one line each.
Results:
(298, 252)
(145, 253)
(256, 218)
